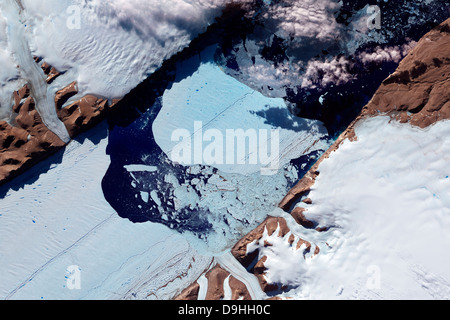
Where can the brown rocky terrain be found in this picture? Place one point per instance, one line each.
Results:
(50, 71)
(216, 277)
(25, 140)
(418, 92)
(270, 225)
(239, 251)
(82, 114)
(251, 261)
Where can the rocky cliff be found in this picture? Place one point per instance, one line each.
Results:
(417, 92)
(25, 140)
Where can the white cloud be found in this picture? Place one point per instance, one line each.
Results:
(386, 54)
(308, 18)
(323, 73)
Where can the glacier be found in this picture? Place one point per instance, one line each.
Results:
(44, 230)
(388, 207)
(139, 226)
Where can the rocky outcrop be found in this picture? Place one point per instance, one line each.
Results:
(82, 114)
(25, 140)
(239, 251)
(216, 291)
(63, 95)
(418, 91)
(50, 71)
(260, 237)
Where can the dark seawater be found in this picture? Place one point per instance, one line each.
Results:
(131, 139)
(135, 144)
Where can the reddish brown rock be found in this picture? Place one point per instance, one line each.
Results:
(271, 224)
(19, 96)
(300, 189)
(65, 94)
(216, 278)
(83, 114)
(190, 293)
(299, 217)
(239, 290)
(418, 91)
(302, 242)
(50, 71)
(26, 141)
(316, 250)
(46, 67)
(259, 271)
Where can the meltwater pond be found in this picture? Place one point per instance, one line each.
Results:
(212, 204)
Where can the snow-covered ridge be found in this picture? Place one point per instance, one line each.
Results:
(391, 217)
(376, 204)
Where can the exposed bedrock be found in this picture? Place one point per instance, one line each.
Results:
(220, 285)
(417, 93)
(25, 140)
(82, 114)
